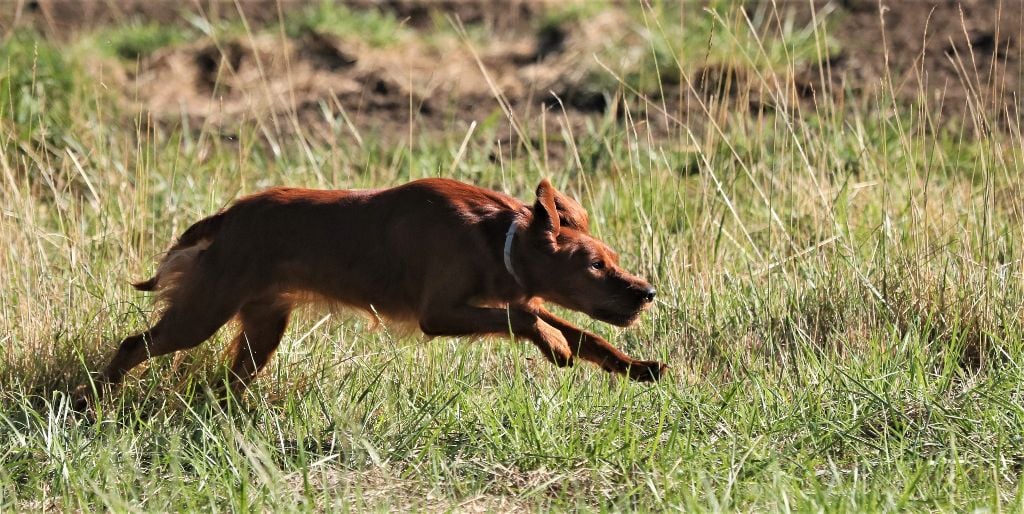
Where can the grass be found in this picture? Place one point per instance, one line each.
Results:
(374, 27)
(136, 40)
(840, 299)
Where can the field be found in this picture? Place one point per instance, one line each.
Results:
(827, 197)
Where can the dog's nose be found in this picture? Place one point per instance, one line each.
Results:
(649, 295)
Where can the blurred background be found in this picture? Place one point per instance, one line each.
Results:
(399, 68)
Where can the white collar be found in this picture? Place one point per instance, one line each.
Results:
(509, 237)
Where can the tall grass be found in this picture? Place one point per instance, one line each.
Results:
(839, 297)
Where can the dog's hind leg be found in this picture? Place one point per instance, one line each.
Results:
(263, 324)
(593, 348)
(197, 309)
(181, 327)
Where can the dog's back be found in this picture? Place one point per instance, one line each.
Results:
(357, 247)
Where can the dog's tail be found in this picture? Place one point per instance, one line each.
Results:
(183, 255)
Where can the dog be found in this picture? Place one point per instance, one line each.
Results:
(453, 258)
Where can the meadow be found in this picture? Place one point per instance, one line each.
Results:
(836, 238)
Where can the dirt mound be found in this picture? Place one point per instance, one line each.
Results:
(375, 88)
(963, 57)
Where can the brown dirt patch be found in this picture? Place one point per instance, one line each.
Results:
(962, 57)
(380, 90)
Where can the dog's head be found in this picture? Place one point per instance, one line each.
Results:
(566, 265)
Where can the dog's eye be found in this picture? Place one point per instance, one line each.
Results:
(598, 265)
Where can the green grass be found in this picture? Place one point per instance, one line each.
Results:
(840, 298)
(680, 43)
(372, 26)
(36, 85)
(136, 40)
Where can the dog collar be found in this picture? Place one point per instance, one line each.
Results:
(509, 237)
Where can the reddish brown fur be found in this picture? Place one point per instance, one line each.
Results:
(430, 251)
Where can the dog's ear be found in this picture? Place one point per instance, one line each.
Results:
(545, 222)
(570, 213)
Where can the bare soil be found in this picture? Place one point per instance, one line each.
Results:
(949, 52)
(380, 90)
(953, 53)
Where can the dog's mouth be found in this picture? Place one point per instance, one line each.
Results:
(617, 318)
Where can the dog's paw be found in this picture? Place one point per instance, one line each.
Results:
(81, 399)
(647, 371)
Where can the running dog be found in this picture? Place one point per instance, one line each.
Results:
(452, 258)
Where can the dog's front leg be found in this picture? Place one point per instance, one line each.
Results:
(595, 349)
(465, 320)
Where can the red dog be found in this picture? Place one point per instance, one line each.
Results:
(453, 258)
